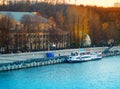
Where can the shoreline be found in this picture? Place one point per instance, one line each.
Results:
(34, 59)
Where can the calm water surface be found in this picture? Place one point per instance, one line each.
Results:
(101, 74)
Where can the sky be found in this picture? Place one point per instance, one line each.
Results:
(104, 3)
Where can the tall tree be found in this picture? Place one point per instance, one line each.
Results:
(27, 21)
(5, 28)
(60, 19)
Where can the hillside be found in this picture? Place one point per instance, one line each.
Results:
(101, 24)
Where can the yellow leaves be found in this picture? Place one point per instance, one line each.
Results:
(105, 25)
(86, 25)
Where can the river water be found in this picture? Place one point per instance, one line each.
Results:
(100, 74)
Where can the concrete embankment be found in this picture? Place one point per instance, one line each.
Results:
(31, 63)
(33, 59)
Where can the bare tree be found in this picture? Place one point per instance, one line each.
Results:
(31, 30)
(26, 21)
(5, 32)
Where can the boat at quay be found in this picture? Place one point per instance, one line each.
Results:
(35, 59)
(82, 56)
(102, 74)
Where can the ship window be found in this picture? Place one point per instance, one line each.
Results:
(78, 58)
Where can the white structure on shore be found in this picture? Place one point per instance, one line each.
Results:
(87, 41)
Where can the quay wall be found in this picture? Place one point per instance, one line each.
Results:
(42, 54)
(33, 59)
(65, 52)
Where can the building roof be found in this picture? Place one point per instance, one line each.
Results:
(18, 15)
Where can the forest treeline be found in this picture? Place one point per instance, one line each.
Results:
(101, 24)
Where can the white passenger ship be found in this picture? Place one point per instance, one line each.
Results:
(84, 56)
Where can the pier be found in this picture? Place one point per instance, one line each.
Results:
(34, 59)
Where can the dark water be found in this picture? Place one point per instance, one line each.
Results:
(101, 74)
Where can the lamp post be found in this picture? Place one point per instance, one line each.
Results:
(54, 46)
(48, 44)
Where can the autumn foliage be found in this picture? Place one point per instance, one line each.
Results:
(101, 24)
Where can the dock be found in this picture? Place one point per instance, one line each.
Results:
(35, 59)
